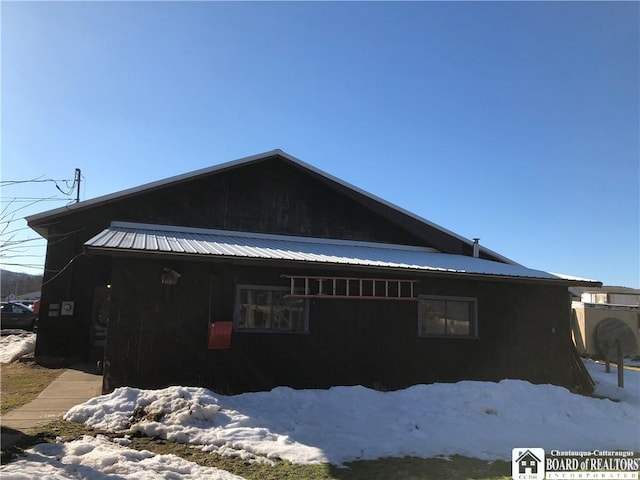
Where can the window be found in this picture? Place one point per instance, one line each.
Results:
(447, 316)
(265, 309)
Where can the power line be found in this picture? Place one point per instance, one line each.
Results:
(63, 269)
(10, 254)
(5, 210)
(42, 199)
(6, 183)
(25, 265)
(74, 185)
(13, 245)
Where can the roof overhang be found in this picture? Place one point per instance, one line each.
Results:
(137, 239)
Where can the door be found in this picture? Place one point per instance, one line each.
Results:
(99, 321)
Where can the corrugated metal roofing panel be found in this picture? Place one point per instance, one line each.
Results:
(203, 242)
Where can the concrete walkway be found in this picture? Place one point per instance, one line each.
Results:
(75, 385)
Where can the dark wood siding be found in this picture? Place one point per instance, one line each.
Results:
(272, 196)
(69, 276)
(157, 335)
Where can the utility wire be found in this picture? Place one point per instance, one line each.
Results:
(40, 199)
(63, 269)
(27, 265)
(5, 209)
(7, 183)
(14, 247)
(74, 182)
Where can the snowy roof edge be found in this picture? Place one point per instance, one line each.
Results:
(121, 237)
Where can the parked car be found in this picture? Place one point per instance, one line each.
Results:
(17, 315)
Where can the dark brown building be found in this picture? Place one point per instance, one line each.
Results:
(266, 271)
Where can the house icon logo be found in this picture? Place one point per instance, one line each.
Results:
(527, 463)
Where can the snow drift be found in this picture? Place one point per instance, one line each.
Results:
(476, 419)
(97, 458)
(483, 420)
(13, 347)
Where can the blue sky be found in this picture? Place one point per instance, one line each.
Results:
(514, 122)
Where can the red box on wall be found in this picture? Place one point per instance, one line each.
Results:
(220, 335)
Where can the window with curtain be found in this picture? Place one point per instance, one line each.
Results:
(267, 309)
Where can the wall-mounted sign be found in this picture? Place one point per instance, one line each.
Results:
(54, 309)
(67, 308)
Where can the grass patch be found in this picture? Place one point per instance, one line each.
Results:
(22, 381)
(58, 430)
(408, 468)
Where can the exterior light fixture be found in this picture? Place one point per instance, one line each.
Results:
(169, 277)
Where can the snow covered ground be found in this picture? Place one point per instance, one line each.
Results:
(477, 419)
(15, 346)
(98, 458)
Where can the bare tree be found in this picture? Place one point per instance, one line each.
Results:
(16, 243)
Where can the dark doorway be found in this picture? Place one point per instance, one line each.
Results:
(99, 321)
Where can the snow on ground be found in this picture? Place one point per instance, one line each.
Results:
(607, 383)
(98, 458)
(478, 419)
(15, 346)
(632, 363)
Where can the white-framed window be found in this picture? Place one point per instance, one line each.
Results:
(447, 316)
(260, 308)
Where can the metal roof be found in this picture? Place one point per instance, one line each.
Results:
(123, 237)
